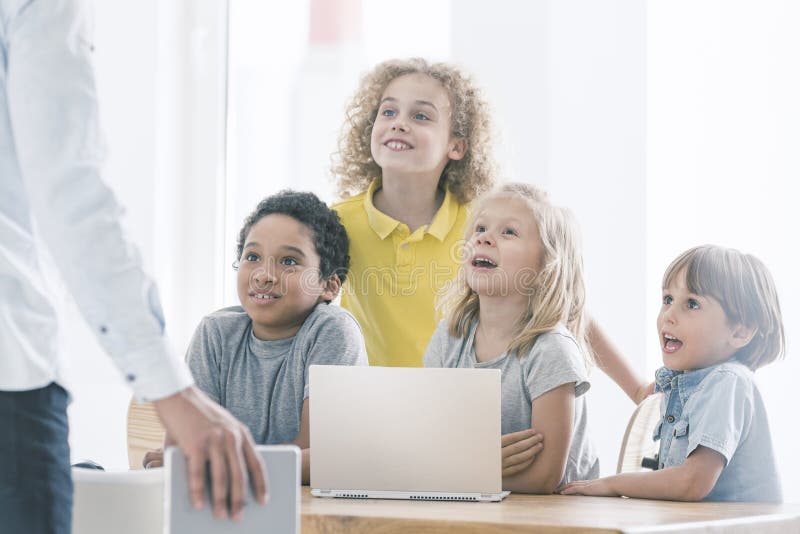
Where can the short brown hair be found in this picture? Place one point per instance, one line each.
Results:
(353, 165)
(743, 286)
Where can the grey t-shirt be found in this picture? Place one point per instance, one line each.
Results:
(554, 360)
(264, 383)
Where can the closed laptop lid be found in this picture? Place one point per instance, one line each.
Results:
(405, 429)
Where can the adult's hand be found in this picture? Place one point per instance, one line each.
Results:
(207, 433)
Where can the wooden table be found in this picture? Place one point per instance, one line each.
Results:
(547, 514)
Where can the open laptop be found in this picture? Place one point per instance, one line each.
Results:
(403, 433)
(280, 515)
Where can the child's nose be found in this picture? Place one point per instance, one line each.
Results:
(484, 239)
(399, 125)
(262, 276)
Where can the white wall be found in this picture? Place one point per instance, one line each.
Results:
(126, 85)
(723, 162)
(567, 81)
(160, 74)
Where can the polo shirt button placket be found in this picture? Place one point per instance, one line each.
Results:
(404, 257)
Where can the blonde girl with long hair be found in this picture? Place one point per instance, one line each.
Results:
(518, 305)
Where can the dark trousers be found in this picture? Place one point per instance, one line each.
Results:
(35, 477)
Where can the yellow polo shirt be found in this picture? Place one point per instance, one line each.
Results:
(396, 275)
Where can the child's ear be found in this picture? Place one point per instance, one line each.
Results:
(332, 286)
(458, 149)
(742, 335)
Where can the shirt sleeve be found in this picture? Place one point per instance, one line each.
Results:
(203, 357)
(555, 360)
(720, 413)
(434, 354)
(334, 339)
(53, 110)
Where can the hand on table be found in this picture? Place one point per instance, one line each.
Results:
(597, 488)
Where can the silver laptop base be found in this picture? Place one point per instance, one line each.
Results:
(410, 495)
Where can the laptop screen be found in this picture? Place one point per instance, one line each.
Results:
(405, 429)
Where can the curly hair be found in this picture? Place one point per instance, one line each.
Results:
(327, 232)
(353, 165)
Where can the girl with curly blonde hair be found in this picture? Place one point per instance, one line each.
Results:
(414, 151)
(355, 167)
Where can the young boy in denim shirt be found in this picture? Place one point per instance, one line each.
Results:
(253, 359)
(720, 320)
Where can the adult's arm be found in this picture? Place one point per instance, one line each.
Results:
(52, 104)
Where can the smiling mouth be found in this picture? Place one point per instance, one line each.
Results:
(670, 343)
(263, 297)
(397, 146)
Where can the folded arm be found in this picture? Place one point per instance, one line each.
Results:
(553, 412)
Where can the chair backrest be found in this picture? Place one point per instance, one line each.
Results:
(637, 443)
(145, 432)
(126, 502)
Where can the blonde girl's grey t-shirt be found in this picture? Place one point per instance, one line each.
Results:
(264, 383)
(554, 360)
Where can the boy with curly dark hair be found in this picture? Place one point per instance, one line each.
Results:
(253, 359)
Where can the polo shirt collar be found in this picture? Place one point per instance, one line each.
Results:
(383, 225)
(445, 217)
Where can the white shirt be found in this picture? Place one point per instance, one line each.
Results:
(54, 204)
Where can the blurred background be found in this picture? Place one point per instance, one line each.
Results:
(661, 124)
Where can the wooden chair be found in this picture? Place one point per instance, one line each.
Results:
(637, 443)
(145, 432)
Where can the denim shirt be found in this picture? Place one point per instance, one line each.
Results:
(719, 407)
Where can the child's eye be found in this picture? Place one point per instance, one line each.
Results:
(421, 117)
(250, 256)
(388, 113)
(667, 299)
(693, 304)
(288, 261)
(510, 231)
(480, 228)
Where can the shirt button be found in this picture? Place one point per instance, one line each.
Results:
(130, 377)
(670, 419)
(404, 246)
(103, 329)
